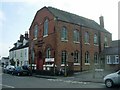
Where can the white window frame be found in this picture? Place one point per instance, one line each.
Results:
(108, 59)
(87, 58)
(116, 59)
(76, 36)
(64, 34)
(46, 27)
(87, 38)
(35, 32)
(95, 39)
(96, 58)
(78, 58)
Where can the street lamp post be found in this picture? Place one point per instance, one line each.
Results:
(65, 69)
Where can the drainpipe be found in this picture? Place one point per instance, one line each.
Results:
(81, 47)
(55, 21)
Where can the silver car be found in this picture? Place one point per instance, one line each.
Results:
(112, 79)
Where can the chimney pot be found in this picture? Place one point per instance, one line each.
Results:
(101, 18)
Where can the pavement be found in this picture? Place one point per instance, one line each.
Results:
(85, 76)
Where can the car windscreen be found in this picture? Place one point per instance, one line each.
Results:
(18, 68)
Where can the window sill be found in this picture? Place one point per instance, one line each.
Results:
(64, 65)
(35, 39)
(87, 63)
(96, 45)
(45, 35)
(106, 46)
(76, 64)
(112, 63)
(76, 42)
(64, 40)
(87, 43)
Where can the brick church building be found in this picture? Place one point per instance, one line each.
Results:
(62, 40)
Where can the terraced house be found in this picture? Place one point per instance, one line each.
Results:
(18, 55)
(62, 40)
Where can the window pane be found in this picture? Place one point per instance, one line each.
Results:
(63, 57)
(64, 34)
(45, 27)
(87, 57)
(76, 35)
(35, 31)
(95, 39)
(76, 57)
(105, 41)
(86, 37)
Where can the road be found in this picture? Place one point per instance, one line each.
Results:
(10, 81)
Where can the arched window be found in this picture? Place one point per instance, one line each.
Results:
(95, 39)
(45, 33)
(86, 37)
(63, 57)
(76, 57)
(48, 53)
(35, 31)
(87, 57)
(105, 41)
(64, 34)
(76, 36)
(96, 58)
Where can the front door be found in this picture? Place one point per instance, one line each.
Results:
(39, 61)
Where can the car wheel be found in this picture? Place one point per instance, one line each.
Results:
(18, 74)
(109, 83)
(12, 73)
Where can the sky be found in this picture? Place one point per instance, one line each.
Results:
(16, 16)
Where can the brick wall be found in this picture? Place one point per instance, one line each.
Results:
(53, 40)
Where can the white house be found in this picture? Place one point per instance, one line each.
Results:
(19, 53)
(5, 61)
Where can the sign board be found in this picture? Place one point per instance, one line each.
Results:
(49, 59)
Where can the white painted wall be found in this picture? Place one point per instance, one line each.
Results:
(21, 55)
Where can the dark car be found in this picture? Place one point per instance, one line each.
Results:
(23, 70)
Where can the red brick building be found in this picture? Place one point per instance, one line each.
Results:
(61, 39)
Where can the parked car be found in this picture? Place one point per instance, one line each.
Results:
(23, 70)
(8, 69)
(112, 79)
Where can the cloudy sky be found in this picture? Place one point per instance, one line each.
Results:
(16, 16)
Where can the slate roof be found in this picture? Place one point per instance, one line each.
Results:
(75, 19)
(114, 49)
(20, 47)
(115, 43)
(111, 51)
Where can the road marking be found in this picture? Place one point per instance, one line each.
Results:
(7, 86)
(68, 81)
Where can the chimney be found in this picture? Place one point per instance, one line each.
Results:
(101, 18)
(21, 38)
(26, 35)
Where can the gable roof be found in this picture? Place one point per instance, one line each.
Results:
(75, 19)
